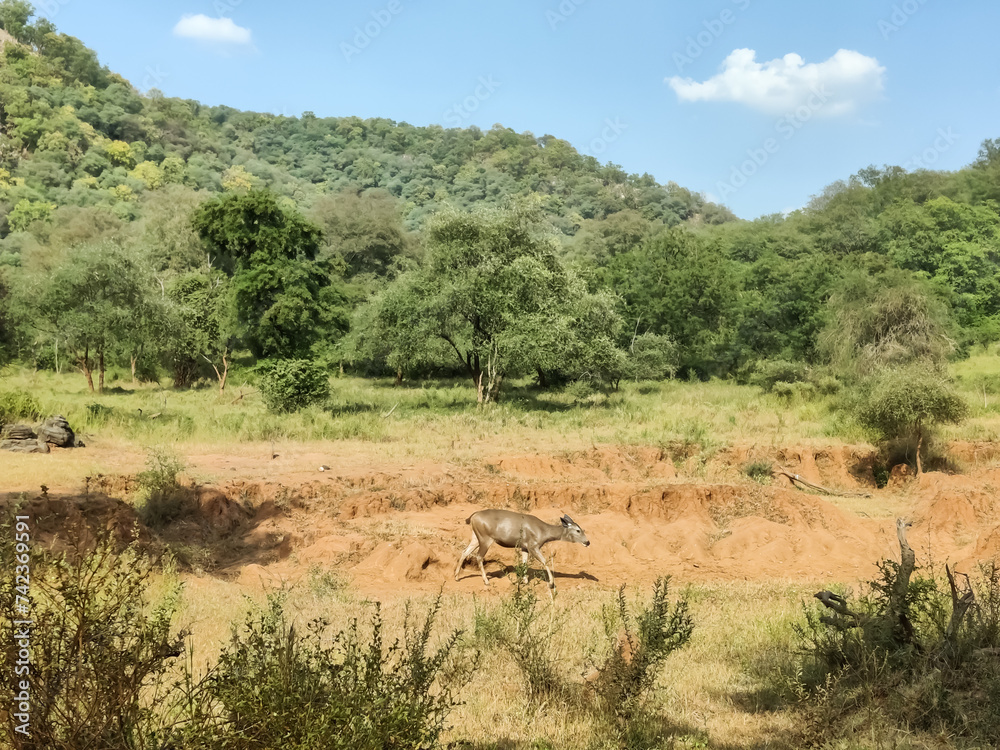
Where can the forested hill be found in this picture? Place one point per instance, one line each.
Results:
(74, 133)
(371, 229)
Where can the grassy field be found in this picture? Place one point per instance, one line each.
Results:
(445, 416)
(733, 686)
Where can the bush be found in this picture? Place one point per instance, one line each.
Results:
(641, 643)
(827, 385)
(929, 675)
(759, 471)
(17, 405)
(767, 373)
(291, 384)
(161, 499)
(274, 687)
(528, 639)
(99, 652)
(652, 357)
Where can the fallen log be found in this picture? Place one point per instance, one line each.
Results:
(797, 478)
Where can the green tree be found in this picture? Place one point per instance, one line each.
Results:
(15, 16)
(885, 320)
(203, 326)
(674, 285)
(494, 293)
(905, 402)
(27, 212)
(287, 299)
(101, 298)
(365, 230)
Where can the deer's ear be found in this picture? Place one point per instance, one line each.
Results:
(566, 520)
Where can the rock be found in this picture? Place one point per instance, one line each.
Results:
(18, 432)
(56, 430)
(31, 445)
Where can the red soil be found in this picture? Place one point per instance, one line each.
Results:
(400, 529)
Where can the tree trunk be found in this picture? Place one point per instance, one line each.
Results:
(543, 382)
(221, 376)
(100, 376)
(898, 610)
(920, 445)
(84, 363)
(477, 378)
(399, 377)
(133, 358)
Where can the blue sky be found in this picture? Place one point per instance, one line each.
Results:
(757, 104)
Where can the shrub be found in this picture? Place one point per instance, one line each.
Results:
(527, 637)
(827, 385)
(908, 666)
(759, 471)
(275, 687)
(652, 357)
(99, 651)
(291, 384)
(769, 372)
(642, 642)
(160, 496)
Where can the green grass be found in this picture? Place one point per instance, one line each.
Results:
(701, 415)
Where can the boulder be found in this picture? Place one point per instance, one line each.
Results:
(56, 430)
(18, 432)
(26, 445)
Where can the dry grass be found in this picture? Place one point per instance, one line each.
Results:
(717, 690)
(722, 690)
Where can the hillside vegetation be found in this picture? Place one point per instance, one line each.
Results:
(176, 240)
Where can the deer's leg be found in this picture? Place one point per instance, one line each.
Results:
(484, 547)
(524, 563)
(541, 558)
(465, 555)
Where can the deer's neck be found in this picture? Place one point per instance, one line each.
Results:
(554, 532)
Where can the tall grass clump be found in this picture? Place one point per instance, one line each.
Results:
(18, 404)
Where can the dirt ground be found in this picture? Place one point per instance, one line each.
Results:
(395, 529)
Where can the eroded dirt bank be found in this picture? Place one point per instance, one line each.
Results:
(396, 529)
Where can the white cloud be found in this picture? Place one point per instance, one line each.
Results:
(206, 29)
(780, 86)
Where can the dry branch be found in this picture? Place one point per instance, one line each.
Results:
(797, 478)
(901, 585)
(846, 618)
(959, 604)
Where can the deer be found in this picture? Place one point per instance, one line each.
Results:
(527, 533)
